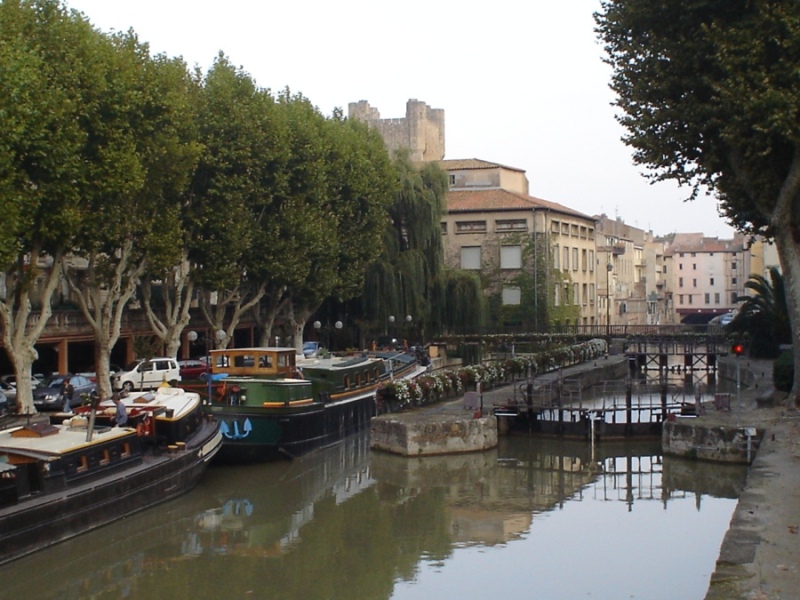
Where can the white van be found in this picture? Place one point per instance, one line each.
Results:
(147, 374)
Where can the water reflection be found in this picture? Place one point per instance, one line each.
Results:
(347, 523)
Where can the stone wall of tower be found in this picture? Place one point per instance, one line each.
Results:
(421, 131)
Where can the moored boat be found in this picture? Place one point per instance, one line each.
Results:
(270, 404)
(60, 479)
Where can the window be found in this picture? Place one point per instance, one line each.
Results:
(555, 226)
(583, 232)
(694, 266)
(694, 282)
(591, 293)
(565, 229)
(557, 295)
(512, 296)
(444, 227)
(574, 231)
(511, 225)
(733, 280)
(710, 281)
(584, 259)
(681, 255)
(470, 226)
(690, 298)
(510, 257)
(734, 297)
(591, 260)
(680, 298)
(556, 256)
(471, 257)
(565, 264)
(452, 180)
(575, 294)
(734, 265)
(680, 281)
(694, 254)
(680, 266)
(591, 233)
(574, 259)
(716, 298)
(585, 294)
(708, 298)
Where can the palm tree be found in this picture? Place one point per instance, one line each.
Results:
(764, 316)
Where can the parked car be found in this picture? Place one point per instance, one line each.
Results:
(311, 349)
(9, 391)
(147, 374)
(192, 368)
(47, 396)
(5, 406)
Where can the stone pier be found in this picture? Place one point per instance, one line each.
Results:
(426, 433)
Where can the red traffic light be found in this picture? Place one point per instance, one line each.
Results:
(737, 349)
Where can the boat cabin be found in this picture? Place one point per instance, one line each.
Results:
(264, 362)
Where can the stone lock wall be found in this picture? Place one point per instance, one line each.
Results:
(412, 437)
(689, 438)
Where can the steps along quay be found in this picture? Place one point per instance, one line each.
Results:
(628, 395)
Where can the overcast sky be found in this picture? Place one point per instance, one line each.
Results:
(521, 84)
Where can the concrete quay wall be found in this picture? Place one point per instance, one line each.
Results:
(697, 439)
(409, 435)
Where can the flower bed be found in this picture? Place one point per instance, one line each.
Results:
(433, 387)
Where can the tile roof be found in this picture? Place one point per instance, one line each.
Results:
(497, 199)
(461, 164)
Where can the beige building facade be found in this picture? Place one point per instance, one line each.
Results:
(518, 242)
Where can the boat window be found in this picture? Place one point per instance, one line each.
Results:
(105, 457)
(284, 360)
(244, 360)
(346, 381)
(358, 379)
(265, 361)
(83, 463)
(221, 360)
(126, 450)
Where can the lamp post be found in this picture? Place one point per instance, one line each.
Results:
(337, 328)
(220, 335)
(609, 268)
(409, 319)
(391, 330)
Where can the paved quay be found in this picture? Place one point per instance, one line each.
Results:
(759, 557)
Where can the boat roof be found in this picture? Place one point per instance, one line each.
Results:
(176, 399)
(51, 447)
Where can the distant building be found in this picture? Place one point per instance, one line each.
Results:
(421, 132)
(708, 274)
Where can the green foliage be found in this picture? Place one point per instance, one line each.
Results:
(407, 277)
(763, 316)
(783, 372)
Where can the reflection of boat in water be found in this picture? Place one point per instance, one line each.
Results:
(226, 515)
(270, 405)
(62, 480)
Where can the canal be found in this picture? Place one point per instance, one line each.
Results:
(532, 518)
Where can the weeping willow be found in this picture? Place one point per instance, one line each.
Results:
(408, 278)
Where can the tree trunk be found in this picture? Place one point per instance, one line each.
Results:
(103, 302)
(789, 253)
(20, 336)
(177, 292)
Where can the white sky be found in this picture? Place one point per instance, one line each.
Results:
(521, 83)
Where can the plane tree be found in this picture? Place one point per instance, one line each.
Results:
(707, 91)
(360, 180)
(142, 154)
(232, 198)
(51, 61)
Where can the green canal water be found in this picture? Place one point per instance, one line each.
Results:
(533, 519)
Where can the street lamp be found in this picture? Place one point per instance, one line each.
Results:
(220, 335)
(609, 268)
